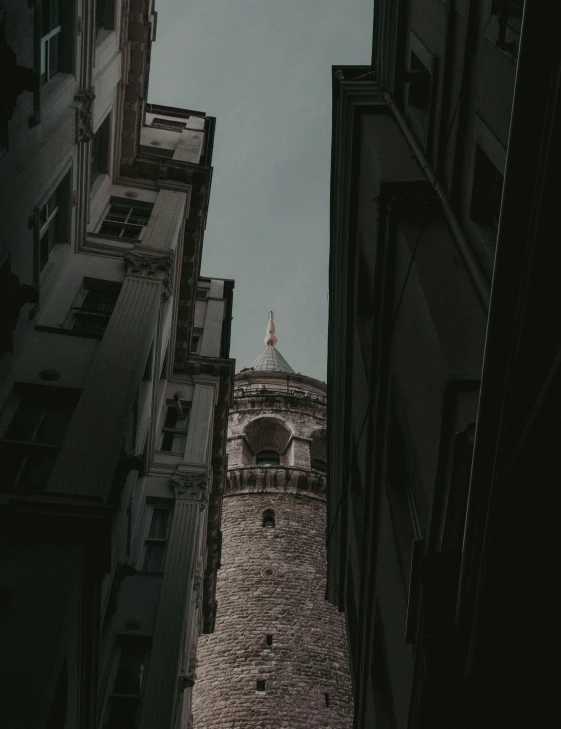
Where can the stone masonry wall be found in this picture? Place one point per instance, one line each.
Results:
(272, 582)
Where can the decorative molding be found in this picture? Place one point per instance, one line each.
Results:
(83, 103)
(79, 26)
(190, 487)
(152, 265)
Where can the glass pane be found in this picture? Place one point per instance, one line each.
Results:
(167, 442)
(36, 471)
(25, 422)
(92, 324)
(55, 13)
(154, 557)
(122, 713)
(130, 673)
(112, 229)
(44, 249)
(53, 427)
(159, 523)
(171, 416)
(54, 55)
(45, 17)
(12, 461)
(131, 232)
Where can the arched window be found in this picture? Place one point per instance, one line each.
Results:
(319, 465)
(269, 519)
(268, 458)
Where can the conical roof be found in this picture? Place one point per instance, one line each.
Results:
(270, 358)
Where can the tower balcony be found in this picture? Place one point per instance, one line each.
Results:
(268, 479)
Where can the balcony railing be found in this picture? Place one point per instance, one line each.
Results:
(289, 392)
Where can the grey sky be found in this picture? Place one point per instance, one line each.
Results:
(263, 69)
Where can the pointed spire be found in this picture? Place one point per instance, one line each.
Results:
(271, 359)
(270, 338)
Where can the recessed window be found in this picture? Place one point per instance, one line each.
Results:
(174, 124)
(104, 15)
(202, 294)
(131, 662)
(31, 443)
(174, 430)
(100, 150)
(156, 543)
(196, 341)
(419, 84)
(319, 465)
(260, 686)
(51, 35)
(125, 219)
(269, 640)
(269, 519)
(268, 458)
(54, 221)
(326, 697)
(93, 306)
(486, 196)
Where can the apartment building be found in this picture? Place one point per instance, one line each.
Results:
(441, 372)
(115, 377)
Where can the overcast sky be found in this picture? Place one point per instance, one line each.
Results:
(263, 69)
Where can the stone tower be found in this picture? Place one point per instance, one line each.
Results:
(278, 656)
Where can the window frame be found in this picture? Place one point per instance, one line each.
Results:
(125, 225)
(120, 645)
(100, 152)
(148, 540)
(166, 430)
(45, 399)
(77, 308)
(422, 122)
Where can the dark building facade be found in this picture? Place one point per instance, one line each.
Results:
(115, 376)
(442, 373)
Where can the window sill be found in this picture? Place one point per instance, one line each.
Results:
(68, 332)
(53, 89)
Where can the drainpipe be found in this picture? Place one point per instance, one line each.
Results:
(478, 277)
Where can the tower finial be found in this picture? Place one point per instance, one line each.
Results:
(270, 338)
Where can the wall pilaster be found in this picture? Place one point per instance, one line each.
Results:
(90, 452)
(164, 678)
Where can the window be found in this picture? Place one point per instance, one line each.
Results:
(157, 539)
(269, 519)
(260, 686)
(131, 661)
(269, 640)
(54, 221)
(104, 15)
(196, 341)
(486, 197)
(93, 307)
(174, 430)
(173, 124)
(402, 497)
(319, 465)
(51, 35)
(125, 219)
(326, 697)
(100, 150)
(509, 14)
(202, 294)
(268, 458)
(32, 440)
(419, 85)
